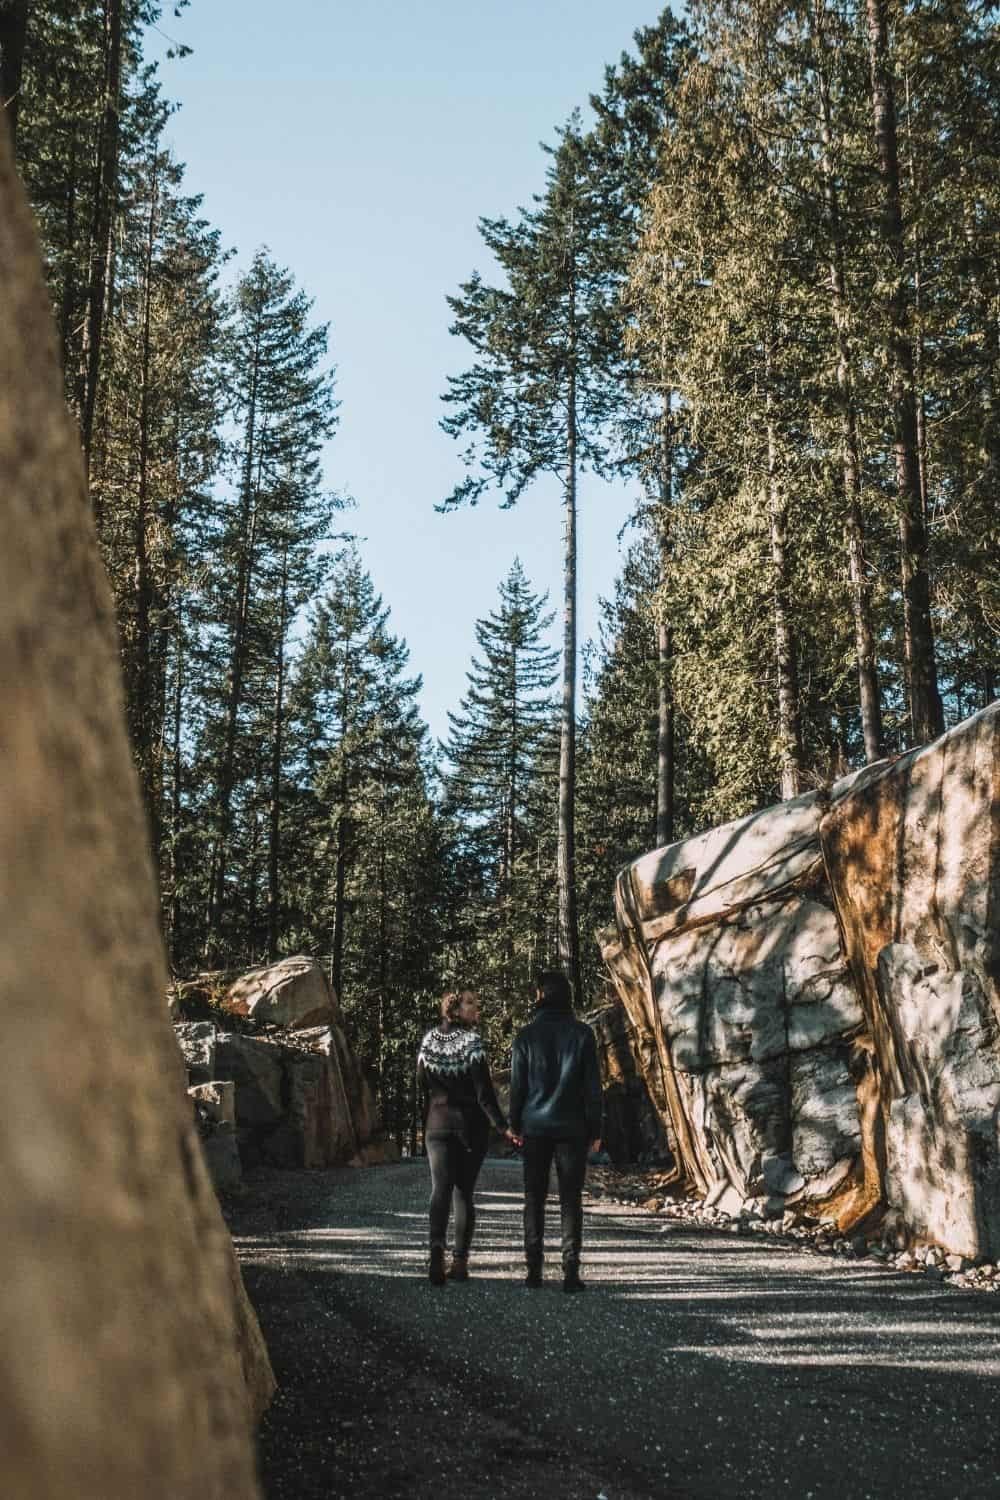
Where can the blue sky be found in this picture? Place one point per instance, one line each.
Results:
(361, 143)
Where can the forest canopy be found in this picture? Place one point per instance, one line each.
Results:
(761, 283)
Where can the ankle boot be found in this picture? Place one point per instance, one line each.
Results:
(459, 1268)
(435, 1270)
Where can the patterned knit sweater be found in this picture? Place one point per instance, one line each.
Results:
(453, 1079)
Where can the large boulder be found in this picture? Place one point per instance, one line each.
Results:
(131, 1363)
(293, 993)
(914, 856)
(820, 984)
(299, 1098)
(733, 966)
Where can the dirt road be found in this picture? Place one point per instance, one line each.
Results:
(696, 1364)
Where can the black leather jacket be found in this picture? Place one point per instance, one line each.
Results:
(555, 1082)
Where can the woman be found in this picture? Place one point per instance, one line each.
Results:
(459, 1104)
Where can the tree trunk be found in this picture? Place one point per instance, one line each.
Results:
(13, 30)
(277, 742)
(789, 721)
(383, 965)
(68, 299)
(510, 833)
(176, 908)
(864, 634)
(926, 717)
(141, 678)
(340, 878)
(340, 872)
(569, 946)
(247, 539)
(102, 238)
(665, 759)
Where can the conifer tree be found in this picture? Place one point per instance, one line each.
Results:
(538, 400)
(494, 758)
(281, 393)
(359, 730)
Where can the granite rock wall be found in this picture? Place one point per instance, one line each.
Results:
(818, 987)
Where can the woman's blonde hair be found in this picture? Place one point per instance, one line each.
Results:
(451, 1002)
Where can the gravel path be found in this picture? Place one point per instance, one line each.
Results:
(697, 1363)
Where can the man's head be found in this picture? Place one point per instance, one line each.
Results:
(552, 988)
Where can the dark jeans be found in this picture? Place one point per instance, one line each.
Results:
(455, 1164)
(571, 1166)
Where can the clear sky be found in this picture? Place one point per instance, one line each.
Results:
(361, 143)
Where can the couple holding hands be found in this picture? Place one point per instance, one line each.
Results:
(555, 1114)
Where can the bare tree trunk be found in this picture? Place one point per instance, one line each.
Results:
(68, 299)
(510, 832)
(789, 720)
(277, 745)
(247, 542)
(102, 239)
(176, 766)
(13, 31)
(926, 717)
(340, 871)
(665, 759)
(864, 634)
(569, 945)
(141, 678)
(340, 879)
(383, 965)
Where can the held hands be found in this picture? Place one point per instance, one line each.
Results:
(515, 1140)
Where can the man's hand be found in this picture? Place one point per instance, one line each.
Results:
(515, 1140)
(595, 1146)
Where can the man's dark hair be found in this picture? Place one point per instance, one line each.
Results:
(553, 988)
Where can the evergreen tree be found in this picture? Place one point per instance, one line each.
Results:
(538, 400)
(362, 841)
(495, 756)
(282, 405)
(633, 112)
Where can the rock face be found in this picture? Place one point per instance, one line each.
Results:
(818, 987)
(131, 1363)
(293, 993)
(633, 1129)
(299, 1096)
(914, 855)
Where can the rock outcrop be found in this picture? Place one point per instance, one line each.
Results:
(293, 993)
(131, 1363)
(299, 1095)
(816, 990)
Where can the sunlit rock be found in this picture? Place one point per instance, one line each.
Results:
(818, 984)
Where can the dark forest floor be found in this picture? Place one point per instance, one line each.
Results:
(697, 1363)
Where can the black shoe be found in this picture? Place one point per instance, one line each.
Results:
(572, 1282)
(435, 1270)
(534, 1276)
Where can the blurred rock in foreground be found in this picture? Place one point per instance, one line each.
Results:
(131, 1363)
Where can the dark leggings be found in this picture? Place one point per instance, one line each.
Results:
(454, 1168)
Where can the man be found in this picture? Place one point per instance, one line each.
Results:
(555, 1112)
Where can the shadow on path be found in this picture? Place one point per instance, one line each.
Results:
(696, 1364)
